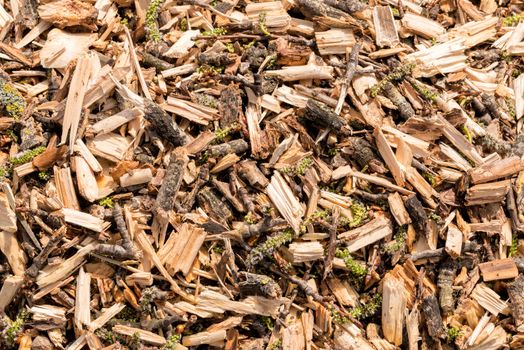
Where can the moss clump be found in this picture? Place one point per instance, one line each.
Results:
(206, 69)
(151, 17)
(11, 99)
(229, 47)
(300, 168)
(128, 314)
(398, 242)
(250, 218)
(27, 156)
(107, 202)
(14, 328)
(424, 91)
(359, 214)
(215, 32)
(368, 309)
(172, 342)
(514, 247)
(453, 333)
(430, 178)
(396, 75)
(511, 21)
(467, 133)
(44, 175)
(221, 134)
(183, 24)
(106, 335)
(356, 270)
(269, 247)
(262, 23)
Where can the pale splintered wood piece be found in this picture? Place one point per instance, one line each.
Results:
(291, 96)
(73, 108)
(393, 307)
(487, 193)
(460, 142)
(54, 273)
(396, 204)
(93, 342)
(85, 220)
(180, 70)
(109, 146)
(367, 234)
(136, 177)
(145, 245)
(253, 126)
(78, 344)
(458, 161)
(85, 179)
(386, 33)
(499, 269)
(9, 289)
(306, 251)
(454, 241)
(226, 162)
(305, 72)
(16, 257)
(51, 287)
(181, 249)
(497, 169)
(82, 315)
(285, 201)
(65, 188)
(389, 156)
(422, 26)
(83, 151)
(484, 320)
(334, 41)
(518, 88)
(136, 64)
(191, 111)
(105, 316)
(275, 15)
(489, 299)
(7, 215)
(219, 303)
(6, 20)
(492, 338)
(343, 292)
(143, 335)
(293, 336)
(115, 121)
(207, 337)
(412, 328)
(34, 33)
(183, 44)
(49, 314)
(346, 170)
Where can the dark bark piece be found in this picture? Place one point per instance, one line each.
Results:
(153, 61)
(164, 124)
(348, 6)
(29, 13)
(431, 312)
(417, 214)
(41, 258)
(332, 245)
(516, 291)
(235, 146)
(363, 153)
(254, 284)
(446, 275)
(405, 109)
(230, 106)
(491, 105)
(315, 8)
(248, 170)
(324, 116)
(203, 178)
(216, 59)
(165, 200)
(211, 204)
(223, 188)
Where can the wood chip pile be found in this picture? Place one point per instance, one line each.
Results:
(235, 174)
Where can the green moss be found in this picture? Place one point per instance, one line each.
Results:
(107, 202)
(424, 91)
(172, 342)
(269, 246)
(44, 175)
(435, 217)
(277, 344)
(183, 24)
(250, 218)
(272, 62)
(453, 333)
(229, 47)
(215, 32)
(27, 156)
(204, 158)
(514, 247)
(262, 23)
(151, 17)
(300, 168)
(395, 11)
(128, 314)
(11, 100)
(430, 178)
(467, 133)
(399, 240)
(396, 75)
(207, 100)
(512, 20)
(12, 135)
(268, 322)
(356, 270)
(221, 134)
(106, 335)
(208, 69)
(15, 327)
(359, 212)
(368, 309)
